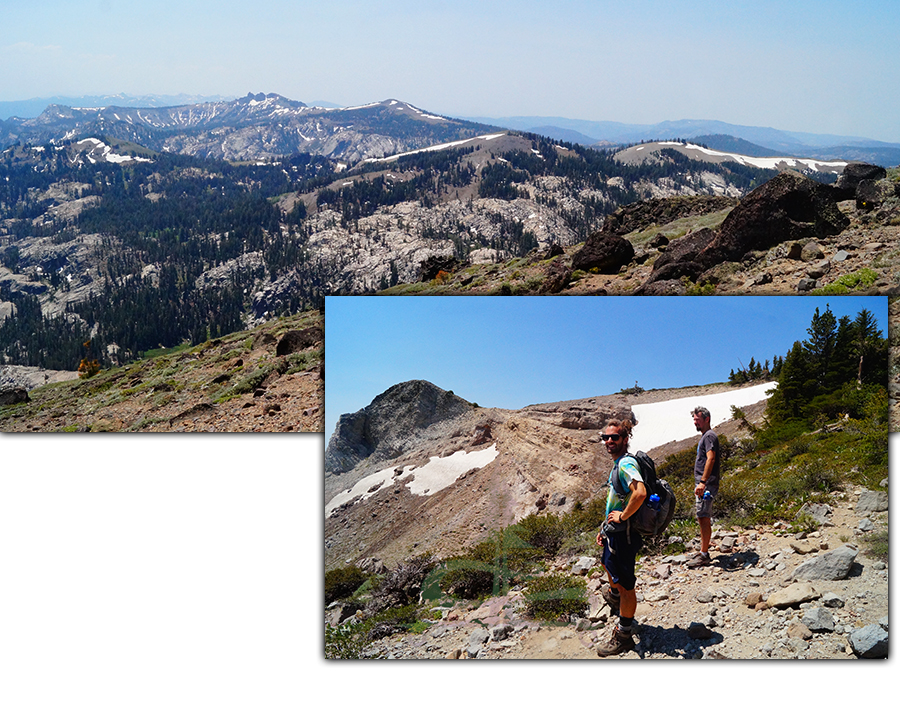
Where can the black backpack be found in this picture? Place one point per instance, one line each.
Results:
(654, 516)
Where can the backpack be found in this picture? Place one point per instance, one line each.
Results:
(652, 518)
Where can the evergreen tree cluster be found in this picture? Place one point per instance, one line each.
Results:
(756, 371)
(839, 369)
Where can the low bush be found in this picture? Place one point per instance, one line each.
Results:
(342, 583)
(556, 597)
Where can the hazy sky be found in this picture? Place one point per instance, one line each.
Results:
(814, 65)
(509, 352)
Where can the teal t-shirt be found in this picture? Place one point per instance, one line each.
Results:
(627, 467)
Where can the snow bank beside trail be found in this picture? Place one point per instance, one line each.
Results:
(438, 473)
(670, 420)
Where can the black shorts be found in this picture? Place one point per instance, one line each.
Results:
(619, 556)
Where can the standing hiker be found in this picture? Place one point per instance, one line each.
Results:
(706, 477)
(620, 545)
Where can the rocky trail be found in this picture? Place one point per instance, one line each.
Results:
(769, 594)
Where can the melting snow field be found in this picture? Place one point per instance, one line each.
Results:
(670, 420)
(438, 473)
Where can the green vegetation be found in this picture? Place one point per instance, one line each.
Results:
(855, 282)
(556, 597)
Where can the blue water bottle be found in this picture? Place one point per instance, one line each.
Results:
(654, 501)
(707, 495)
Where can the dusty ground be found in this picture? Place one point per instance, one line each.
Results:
(672, 597)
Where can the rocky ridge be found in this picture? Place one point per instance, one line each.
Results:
(769, 594)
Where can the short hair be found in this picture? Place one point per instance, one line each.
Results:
(700, 410)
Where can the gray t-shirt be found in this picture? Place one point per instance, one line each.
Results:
(709, 440)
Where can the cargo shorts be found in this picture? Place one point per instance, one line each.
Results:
(703, 506)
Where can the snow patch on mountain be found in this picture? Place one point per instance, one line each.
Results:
(671, 420)
(437, 474)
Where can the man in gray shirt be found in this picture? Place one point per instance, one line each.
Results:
(706, 478)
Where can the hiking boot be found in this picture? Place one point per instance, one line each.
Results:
(619, 642)
(698, 560)
(612, 599)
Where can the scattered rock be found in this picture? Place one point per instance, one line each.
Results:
(792, 596)
(870, 642)
(872, 501)
(818, 619)
(830, 566)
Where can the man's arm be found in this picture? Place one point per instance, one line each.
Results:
(700, 488)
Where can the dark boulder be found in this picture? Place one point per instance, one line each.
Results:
(298, 340)
(679, 258)
(661, 211)
(11, 396)
(871, 194)
(557, 277)
(554, 250)
(855, 173)
(788, 207)
(606, 253)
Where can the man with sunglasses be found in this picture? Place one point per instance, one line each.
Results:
(620, 545)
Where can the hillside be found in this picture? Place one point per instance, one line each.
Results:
(93, 233)
(440, 547)
(650, 152)
(268, 379)
(606, 134)
(420, 487)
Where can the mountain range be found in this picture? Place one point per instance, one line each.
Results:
(780, 142)
(138, 228)
(42, 119)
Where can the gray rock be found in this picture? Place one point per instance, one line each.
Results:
(872, 502)
(840, 256)
(832, 600)
(479, 637)
(501, 632)
(870, 642)
(830, 566)
(583, 565)
(820, 512)
(818, 619)
(866, 525)
(705, 596)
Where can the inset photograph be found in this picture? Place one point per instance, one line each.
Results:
(625, 477)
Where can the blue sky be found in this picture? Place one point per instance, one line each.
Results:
(812, 65)
(510, 352)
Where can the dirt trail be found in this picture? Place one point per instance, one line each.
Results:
(673, 597)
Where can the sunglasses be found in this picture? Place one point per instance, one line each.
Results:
(607, 437)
